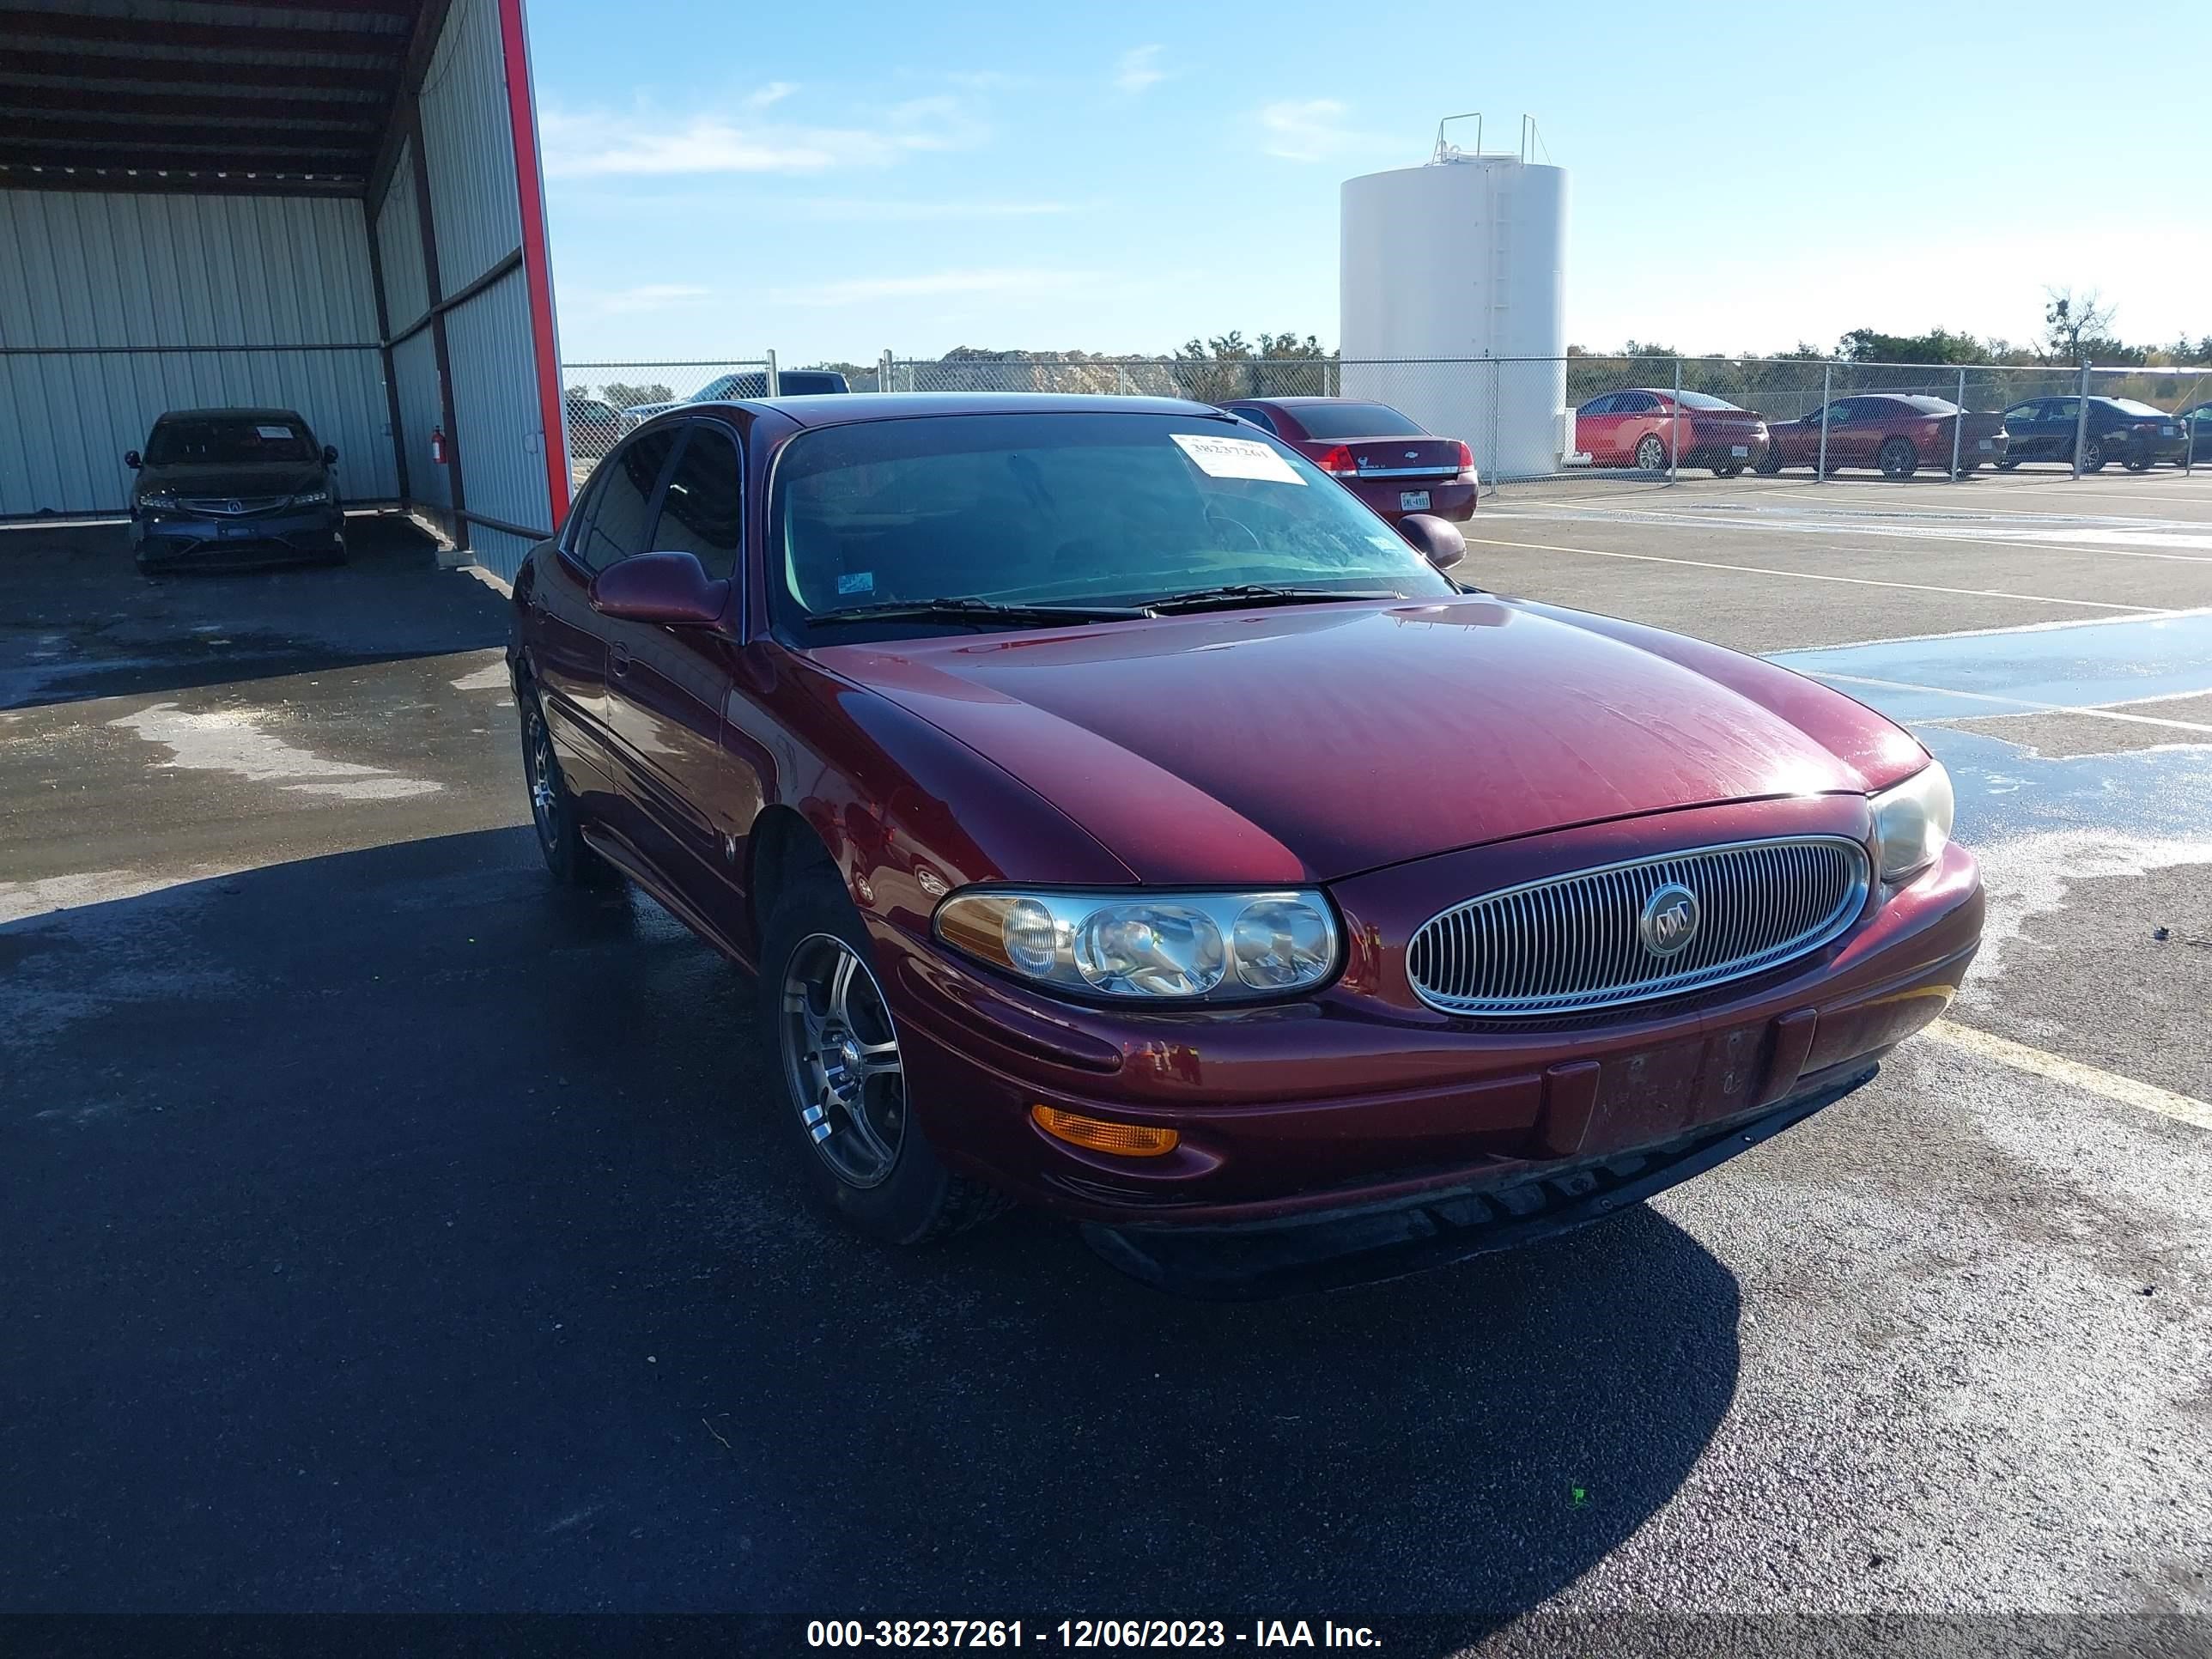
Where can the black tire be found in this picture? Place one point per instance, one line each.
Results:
(912, 1198)
(2007, 465)
(1769, 464)
(1650, 454)
(568, 858)
(1897, 457)
(2141, 462)
(2092, 456)
(1733, 469)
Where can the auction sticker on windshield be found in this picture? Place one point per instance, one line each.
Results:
(1235, 457)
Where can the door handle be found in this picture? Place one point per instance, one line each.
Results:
(619, 655)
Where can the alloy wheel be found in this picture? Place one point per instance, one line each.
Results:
(1651, 454)
(543, 773)
(841, 1060)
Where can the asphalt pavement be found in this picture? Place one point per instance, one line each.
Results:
(385, 1230)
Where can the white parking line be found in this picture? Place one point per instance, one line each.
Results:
(2028, 627)
(2025, 705)
(1814, 576)
(2058, 1069)
(2040, 542)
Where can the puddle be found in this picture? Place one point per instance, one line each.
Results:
(232, 740)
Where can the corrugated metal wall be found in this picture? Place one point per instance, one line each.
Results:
(399, 242)
(468, 146)
(415, 372)
(87, 279)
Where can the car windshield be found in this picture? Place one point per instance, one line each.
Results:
(2130, 406)
(1334, 420)
(1080, 508)
(228, 440)
(1701, 400)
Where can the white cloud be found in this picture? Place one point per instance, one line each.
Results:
(1016, 281)
(600, 144)
(647, 296)
(1308, 129)
(773, 93)
(1138, 68)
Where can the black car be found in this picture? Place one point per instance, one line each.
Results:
(2195, 424)
(2120, 429)
(728, 388)
(225, 488)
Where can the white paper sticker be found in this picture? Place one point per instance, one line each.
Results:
(274, 431)
(1235, 458)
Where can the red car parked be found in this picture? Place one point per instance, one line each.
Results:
(1389, 460)
(1896, 433)
(1121, 819)
(1640, 428)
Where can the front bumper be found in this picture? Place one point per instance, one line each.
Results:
(182, 541)
(1351, 1102)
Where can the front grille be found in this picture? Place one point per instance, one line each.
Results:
(1572, 943)
(226, 507)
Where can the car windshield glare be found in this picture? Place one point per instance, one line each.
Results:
(1080, 508)
(229, 441)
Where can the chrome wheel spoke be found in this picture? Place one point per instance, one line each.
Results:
(880, 1060)
(842, 1061)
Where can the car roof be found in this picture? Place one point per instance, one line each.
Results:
(1303, 398)
(249, 414)
(839, 409)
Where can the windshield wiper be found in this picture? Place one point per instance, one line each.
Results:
(977, 611)
(1243, 594)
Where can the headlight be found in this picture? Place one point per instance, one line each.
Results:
(1220, 946)
(162, 501)
(311, 498)
(1912, 822)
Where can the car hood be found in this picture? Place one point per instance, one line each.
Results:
(234, 478)
(1309, 744)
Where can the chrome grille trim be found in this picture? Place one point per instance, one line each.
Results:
(1567, 944)
(220, 506)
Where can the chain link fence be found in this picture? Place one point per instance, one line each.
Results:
(1530, 418)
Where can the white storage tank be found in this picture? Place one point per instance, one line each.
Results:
(1463, 258)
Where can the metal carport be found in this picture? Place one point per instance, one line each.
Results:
(334, 206)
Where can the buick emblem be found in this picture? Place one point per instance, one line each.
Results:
(1669, 920)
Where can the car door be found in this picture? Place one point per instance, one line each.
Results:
(687, 803)
(564, 634)
(1597, 430)
(2026, 430)
(1854, 431)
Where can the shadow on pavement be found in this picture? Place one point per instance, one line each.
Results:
(390, 1231)
(77, 620)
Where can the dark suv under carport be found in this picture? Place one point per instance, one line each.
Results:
(226, 488)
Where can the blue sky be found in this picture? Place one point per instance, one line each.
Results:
(833, 180)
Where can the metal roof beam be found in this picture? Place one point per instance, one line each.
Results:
(198, 71)
(104, 31)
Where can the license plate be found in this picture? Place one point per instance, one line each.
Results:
(1989, 443)
(2167, 431)
(235, 532)
(1737, 452)
(1412, 501)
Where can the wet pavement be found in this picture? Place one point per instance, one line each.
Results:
(386, 1230)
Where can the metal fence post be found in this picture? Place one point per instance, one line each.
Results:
(883, 371)
(2081, 418)
(775, 384)
(1959, 426)
(1827, 383)
(1495, 366)
(1674, 437)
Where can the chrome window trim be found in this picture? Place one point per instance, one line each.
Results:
(1562, 989)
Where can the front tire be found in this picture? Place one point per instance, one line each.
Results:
(1897, 458)
(569, 859)
(2092, 456)
(844, 1109)
(1650, 454)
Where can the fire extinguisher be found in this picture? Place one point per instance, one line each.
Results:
(438, 445)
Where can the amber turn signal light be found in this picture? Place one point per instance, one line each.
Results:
(1099, 1135)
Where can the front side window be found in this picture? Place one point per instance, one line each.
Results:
(618, 522)
(699, 511)
(1080, 508)
(229, 441)
(1605, 405)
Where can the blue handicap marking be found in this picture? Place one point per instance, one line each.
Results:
(2005, 788)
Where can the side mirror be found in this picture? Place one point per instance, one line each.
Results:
(131, 459)
(1437, 540)
(329, 454)
(669, 588)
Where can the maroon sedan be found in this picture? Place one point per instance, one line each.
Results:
(1898, 433)
(1121, 820)
(1389, 460)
